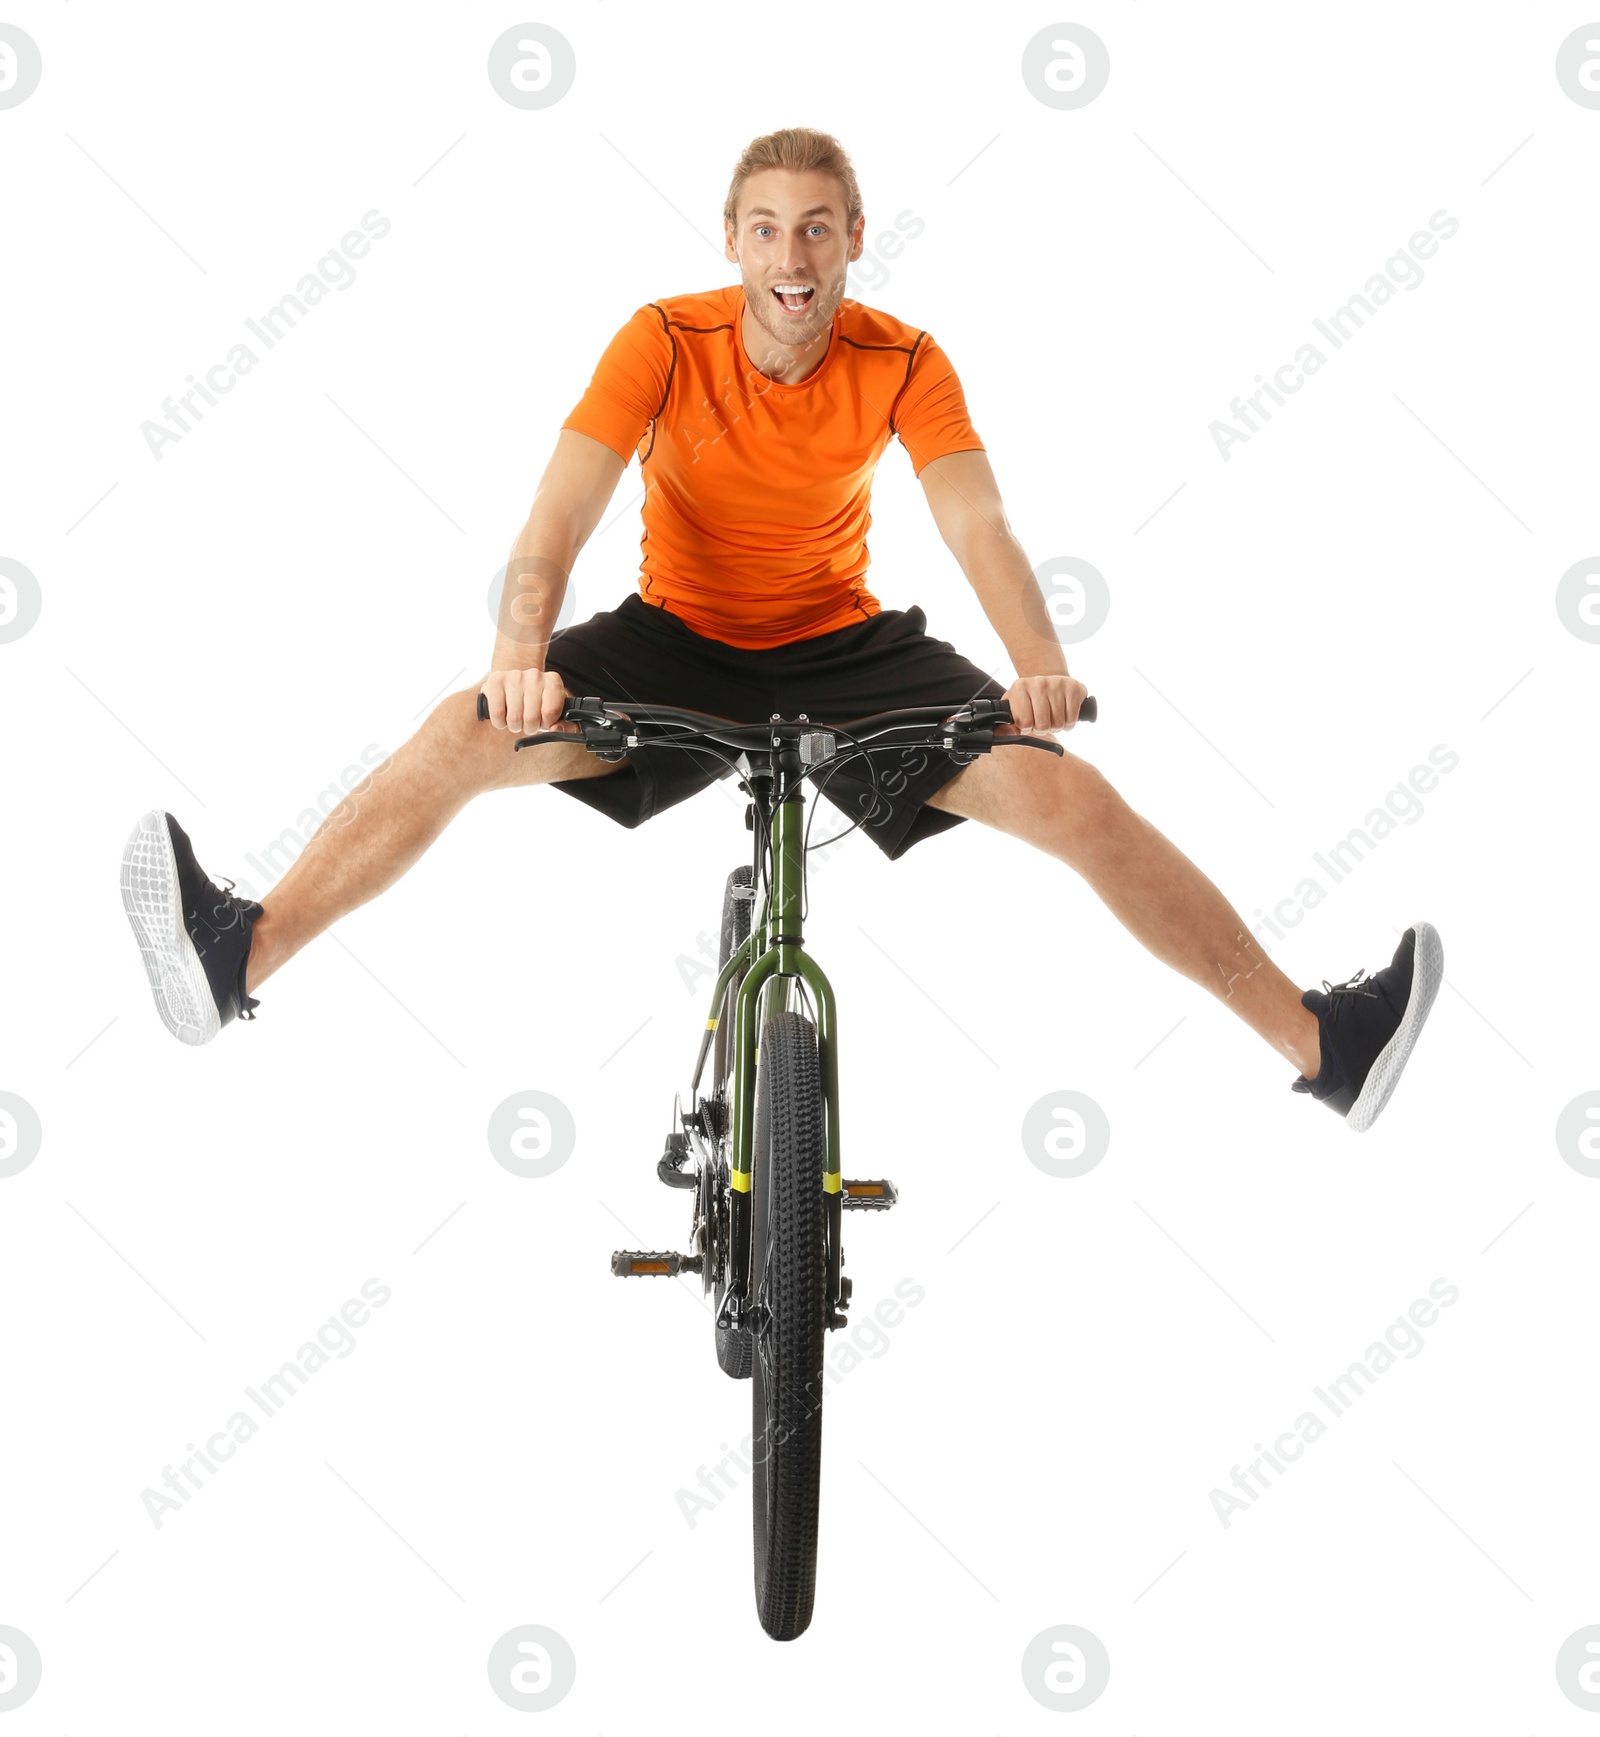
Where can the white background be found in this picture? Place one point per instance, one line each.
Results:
(229, 627)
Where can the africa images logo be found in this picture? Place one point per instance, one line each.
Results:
(335, 271)
(1402, 1338)
(1402, 270)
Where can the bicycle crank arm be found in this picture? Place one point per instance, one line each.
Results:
(633, 1263)
(669, 1166)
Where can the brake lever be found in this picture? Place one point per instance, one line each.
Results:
(964, 744)
(604, 741)
(975, 723)
(1023, 740)
(540, 736)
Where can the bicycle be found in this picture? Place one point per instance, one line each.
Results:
(769, 1194)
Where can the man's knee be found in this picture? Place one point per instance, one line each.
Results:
(1085, 786)
(483, 757)
(455, 720)
(452, 735)
(1070, 803)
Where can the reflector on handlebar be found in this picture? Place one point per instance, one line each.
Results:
(816, 747)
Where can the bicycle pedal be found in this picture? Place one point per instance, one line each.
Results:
(633, 1263)
(870, 1196)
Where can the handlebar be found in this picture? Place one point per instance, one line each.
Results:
(792, 749)
(970, 726)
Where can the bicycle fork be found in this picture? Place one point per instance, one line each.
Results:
(781, 954)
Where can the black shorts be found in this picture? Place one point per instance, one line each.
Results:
(643, 652)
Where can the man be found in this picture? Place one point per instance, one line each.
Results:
(759, 413)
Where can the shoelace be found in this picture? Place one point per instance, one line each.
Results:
(234, 902)
(1360, 984)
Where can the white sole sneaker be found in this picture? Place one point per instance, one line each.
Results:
(1427, 973)
(154, 902)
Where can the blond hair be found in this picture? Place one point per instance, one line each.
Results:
(801, 150)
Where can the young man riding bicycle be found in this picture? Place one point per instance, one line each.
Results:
(758, 413)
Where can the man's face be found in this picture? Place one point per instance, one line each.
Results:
(791, 237)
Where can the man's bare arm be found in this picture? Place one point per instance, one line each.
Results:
(964, 499)
(579, 480)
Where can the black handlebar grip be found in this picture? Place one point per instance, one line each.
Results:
(572, 704)
(1089, 710)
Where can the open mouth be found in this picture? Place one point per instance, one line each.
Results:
(793, 298)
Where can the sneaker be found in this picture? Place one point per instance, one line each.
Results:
(1369, 1027)
(195, 937)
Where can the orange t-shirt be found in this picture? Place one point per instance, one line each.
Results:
(757, 494)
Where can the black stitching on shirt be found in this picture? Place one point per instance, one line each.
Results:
(672, 369)
(911, 356)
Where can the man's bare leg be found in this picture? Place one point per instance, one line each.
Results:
(1068, 809)
(380, 829)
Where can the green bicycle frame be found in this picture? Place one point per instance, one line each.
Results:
(774, 949)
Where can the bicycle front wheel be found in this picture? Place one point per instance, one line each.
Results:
(788, 1282)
